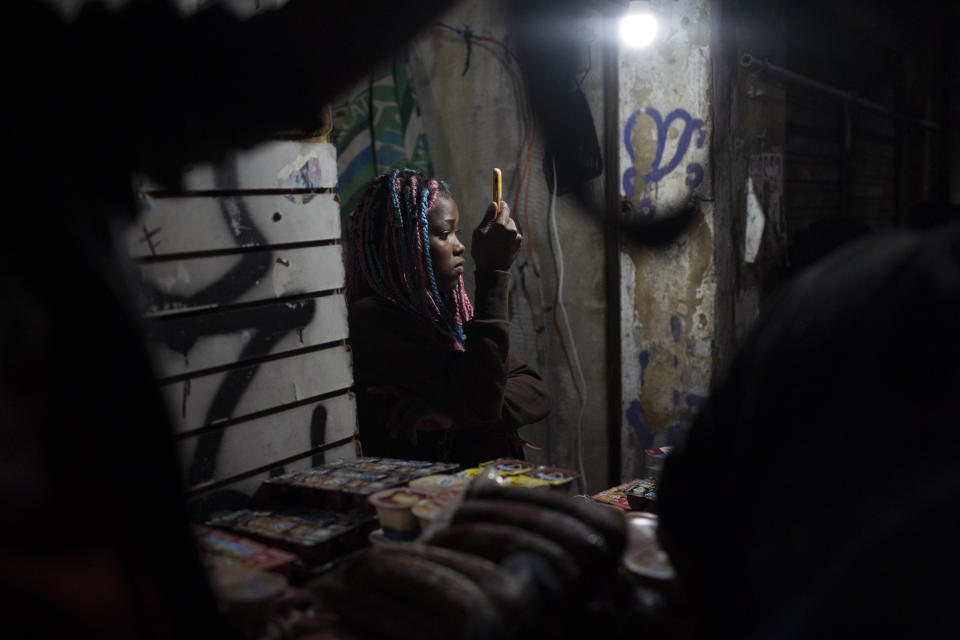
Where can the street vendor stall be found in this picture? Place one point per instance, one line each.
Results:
(389, 548)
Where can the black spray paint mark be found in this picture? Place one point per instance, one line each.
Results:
(318, 433)
(235, 383)
(269, 325)
(148, 238)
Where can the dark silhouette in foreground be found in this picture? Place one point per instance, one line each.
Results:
(819, 490)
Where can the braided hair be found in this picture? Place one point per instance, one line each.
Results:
(388, 252)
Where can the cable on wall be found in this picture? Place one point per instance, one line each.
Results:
(521, 211)
(574, 356)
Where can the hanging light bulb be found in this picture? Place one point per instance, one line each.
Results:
(638, 28)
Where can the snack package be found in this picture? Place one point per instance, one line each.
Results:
(558, 479)
(508, 466)
(314, 536)
(527, 482)
(441, 482)
(221, 548)
(642, 495)
(248, 596)
(342, 485)
(641, 488)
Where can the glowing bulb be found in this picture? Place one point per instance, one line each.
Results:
(638, 29)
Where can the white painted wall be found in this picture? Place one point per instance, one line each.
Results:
(241, 277)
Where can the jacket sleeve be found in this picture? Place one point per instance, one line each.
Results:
(526, 398)
(479, 385)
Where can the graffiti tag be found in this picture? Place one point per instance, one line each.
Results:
(658, 168)
(181, 334)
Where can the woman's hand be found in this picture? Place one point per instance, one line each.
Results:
(496, 241)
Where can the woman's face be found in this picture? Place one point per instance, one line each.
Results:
(446, 251)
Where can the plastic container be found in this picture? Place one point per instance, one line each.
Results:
(557, 479)
(653, 460)
(643, 556)
(247, 595)
(437, 507)
(440, 482)
(394, 509)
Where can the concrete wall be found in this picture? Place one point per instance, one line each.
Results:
(693, 121)
(667, 295)
(476, 121)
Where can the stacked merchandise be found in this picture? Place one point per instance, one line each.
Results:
(522, 473)
(639, 495)
(501, 550)
(297, 525)
(507, 561)
(344, 485)
(427, 502)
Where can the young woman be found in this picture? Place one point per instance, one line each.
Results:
(434, 375)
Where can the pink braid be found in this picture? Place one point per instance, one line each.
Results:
(434, 187)
(467, 306)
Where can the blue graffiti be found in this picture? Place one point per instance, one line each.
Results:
(695, 401)
(644, 362)
(635, 420)
(694, 175)
(677, 433)
(676, 328)
(646, 208)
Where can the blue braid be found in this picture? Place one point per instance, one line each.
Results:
(425, 237)
(445, 316)
(399, 227)
(411, 224)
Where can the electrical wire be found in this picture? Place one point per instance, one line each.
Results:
(523, 184)
(522, 212)
(579, 378)
(525, 209)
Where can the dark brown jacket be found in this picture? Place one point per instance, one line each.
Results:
(488, 391)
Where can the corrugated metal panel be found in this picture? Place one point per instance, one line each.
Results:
(840, 161)
(872, 181)
(241, 286)
(813, 171)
